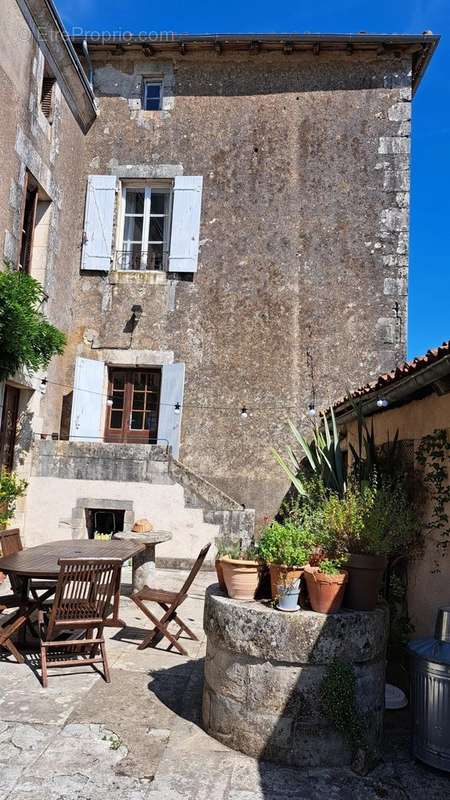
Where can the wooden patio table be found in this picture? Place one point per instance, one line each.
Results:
(42, 562)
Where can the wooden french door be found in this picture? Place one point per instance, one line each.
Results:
(9, 426)
(133, 415)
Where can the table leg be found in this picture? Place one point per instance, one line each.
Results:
(144, 568)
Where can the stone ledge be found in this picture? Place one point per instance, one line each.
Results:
(257, 630)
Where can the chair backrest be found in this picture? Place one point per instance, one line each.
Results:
(10, 542)
(192, 575)
(84, 590)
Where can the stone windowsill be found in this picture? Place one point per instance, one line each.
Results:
(131, 278)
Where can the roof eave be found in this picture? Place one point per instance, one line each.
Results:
(399, 390)
(165, 41)
(48, 30)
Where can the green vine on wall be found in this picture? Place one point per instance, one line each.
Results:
(338, 702)
(433, 455)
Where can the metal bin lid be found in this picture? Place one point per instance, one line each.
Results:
(431, 649)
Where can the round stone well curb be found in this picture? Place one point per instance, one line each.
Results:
(263, 671)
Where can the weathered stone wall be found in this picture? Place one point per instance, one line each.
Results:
(302, 270)
(53, 154)
(263, 671)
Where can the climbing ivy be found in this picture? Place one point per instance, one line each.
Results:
(338, 702)
(433, 455)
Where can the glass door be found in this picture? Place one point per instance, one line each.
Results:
(133, 415)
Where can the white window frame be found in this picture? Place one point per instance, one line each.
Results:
(153, 82)
(161, 187)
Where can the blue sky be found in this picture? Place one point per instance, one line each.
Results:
(430, 218)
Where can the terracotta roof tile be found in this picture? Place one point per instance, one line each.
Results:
(408, 368)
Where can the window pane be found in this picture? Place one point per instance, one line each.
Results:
(158, 202)
(150, 422)
(133, 229)
(153, 89)
(152, 99)
(118, 380)
(139, 381)
(130, 257)
(153, 379)
(137, 420)
(156, 233)
(134, 201)
(138, 400)
(116, 419)
(117, 399)
(155, 256)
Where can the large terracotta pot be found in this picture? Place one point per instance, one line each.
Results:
(285, 586)
(241, 578)
(219, 573)
(365, 574)
(326, 592)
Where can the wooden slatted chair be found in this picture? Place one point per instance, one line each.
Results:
(82, 602)
(169, 602)
(10, 543)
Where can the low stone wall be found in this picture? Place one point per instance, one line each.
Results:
(263, 672)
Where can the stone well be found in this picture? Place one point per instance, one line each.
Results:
(263, 672)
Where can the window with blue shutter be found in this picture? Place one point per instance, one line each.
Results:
(186, 210)
(98, 222)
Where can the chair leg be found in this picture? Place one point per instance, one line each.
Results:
(9, 645)
(44, 667)
(105, 662)
(179, 621)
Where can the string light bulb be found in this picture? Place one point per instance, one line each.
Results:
(311, 410)
(244, 413)
(177, 408)
(382, 402)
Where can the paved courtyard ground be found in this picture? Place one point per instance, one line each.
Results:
(140, 737)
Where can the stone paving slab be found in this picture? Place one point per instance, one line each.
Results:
(140, 737)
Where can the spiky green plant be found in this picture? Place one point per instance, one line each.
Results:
(324, 455)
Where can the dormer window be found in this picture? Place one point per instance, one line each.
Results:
(152, 95)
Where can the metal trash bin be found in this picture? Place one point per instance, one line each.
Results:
(430, 694)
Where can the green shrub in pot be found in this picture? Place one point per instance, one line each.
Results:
(286, 548)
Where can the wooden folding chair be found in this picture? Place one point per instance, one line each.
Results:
(11, 543)
(81, 603)
(169, 602)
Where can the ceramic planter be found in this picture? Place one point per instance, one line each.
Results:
(219, 573)
(285, 586)
(326, 592)
(241, 578)
(365, 574)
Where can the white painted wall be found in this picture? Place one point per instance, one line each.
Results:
(50, 502)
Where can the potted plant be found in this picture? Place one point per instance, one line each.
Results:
(286, 549)
(326, 585)
(11, 487)
(241, 572)
(222, 550)
(391, 527)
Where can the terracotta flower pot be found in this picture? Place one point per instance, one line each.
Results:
(326, 592)
(241, 578)
(285, 585)
(219, 573)
(365, 574)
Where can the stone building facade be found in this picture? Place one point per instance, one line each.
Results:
(237, 250)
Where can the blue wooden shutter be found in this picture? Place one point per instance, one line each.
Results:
(184, 239)
(98, 222)
(172, 388)
(89, 400)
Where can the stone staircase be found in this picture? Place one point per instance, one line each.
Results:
(143, 480)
